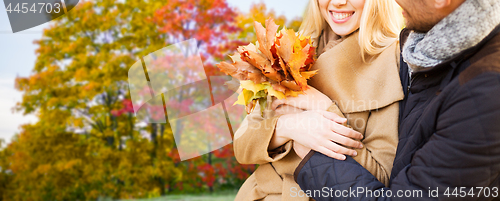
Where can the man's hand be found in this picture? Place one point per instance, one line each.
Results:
(300, 150)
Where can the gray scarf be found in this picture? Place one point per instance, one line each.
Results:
(464, 28)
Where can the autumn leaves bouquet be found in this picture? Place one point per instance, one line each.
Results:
(278, 65)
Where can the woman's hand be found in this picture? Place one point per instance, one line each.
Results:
(318, 130)
(312, 99)
(288, 109)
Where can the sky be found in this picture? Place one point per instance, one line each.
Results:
(17, 58)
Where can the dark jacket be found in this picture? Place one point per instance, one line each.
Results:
(449, 137)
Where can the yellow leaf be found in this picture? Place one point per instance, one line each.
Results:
(308, 74)
(244, 97)
(292, 93)
(277, 94)
(249, 85)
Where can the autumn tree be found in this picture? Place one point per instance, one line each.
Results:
(260, 13)
(85, 145)
(219, 30)
(5, 174)
(87, 142)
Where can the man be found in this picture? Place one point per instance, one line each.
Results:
(449, 132)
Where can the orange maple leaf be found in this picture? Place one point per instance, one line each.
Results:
(281, 61)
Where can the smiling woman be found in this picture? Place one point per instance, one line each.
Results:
(357, 79)
(378, 21)
(343, 16)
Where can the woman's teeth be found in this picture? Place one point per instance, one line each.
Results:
(341, 16)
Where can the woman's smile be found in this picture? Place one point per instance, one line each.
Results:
(344, 17)
(341, 16)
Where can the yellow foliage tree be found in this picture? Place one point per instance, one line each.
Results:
(260, 13)
(86, 143)
(80, 148)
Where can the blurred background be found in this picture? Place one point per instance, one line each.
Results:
(67, 130)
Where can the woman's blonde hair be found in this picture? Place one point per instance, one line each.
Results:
(381, 22)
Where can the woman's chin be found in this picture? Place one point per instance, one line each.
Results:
(341, 31)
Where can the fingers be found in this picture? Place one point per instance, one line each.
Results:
(348, 132)
(330, 153)
(339, 149)
(345, 141)
(334, 117)
(338, 128)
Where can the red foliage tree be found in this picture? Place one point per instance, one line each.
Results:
(213, 24)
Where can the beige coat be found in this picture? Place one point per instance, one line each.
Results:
(366, 94)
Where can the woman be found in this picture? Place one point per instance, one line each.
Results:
(358, 79)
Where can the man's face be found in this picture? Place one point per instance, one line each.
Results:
(420, 15)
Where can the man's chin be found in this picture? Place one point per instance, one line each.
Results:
(418, 29)
(423, 25)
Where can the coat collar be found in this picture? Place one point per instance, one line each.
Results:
(464, 55)
(354, 85)
(327, 40)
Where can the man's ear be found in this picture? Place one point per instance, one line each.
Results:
(440, 4)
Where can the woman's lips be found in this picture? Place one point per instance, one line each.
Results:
(341, 16)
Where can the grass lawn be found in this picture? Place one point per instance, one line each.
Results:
(216, 196)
